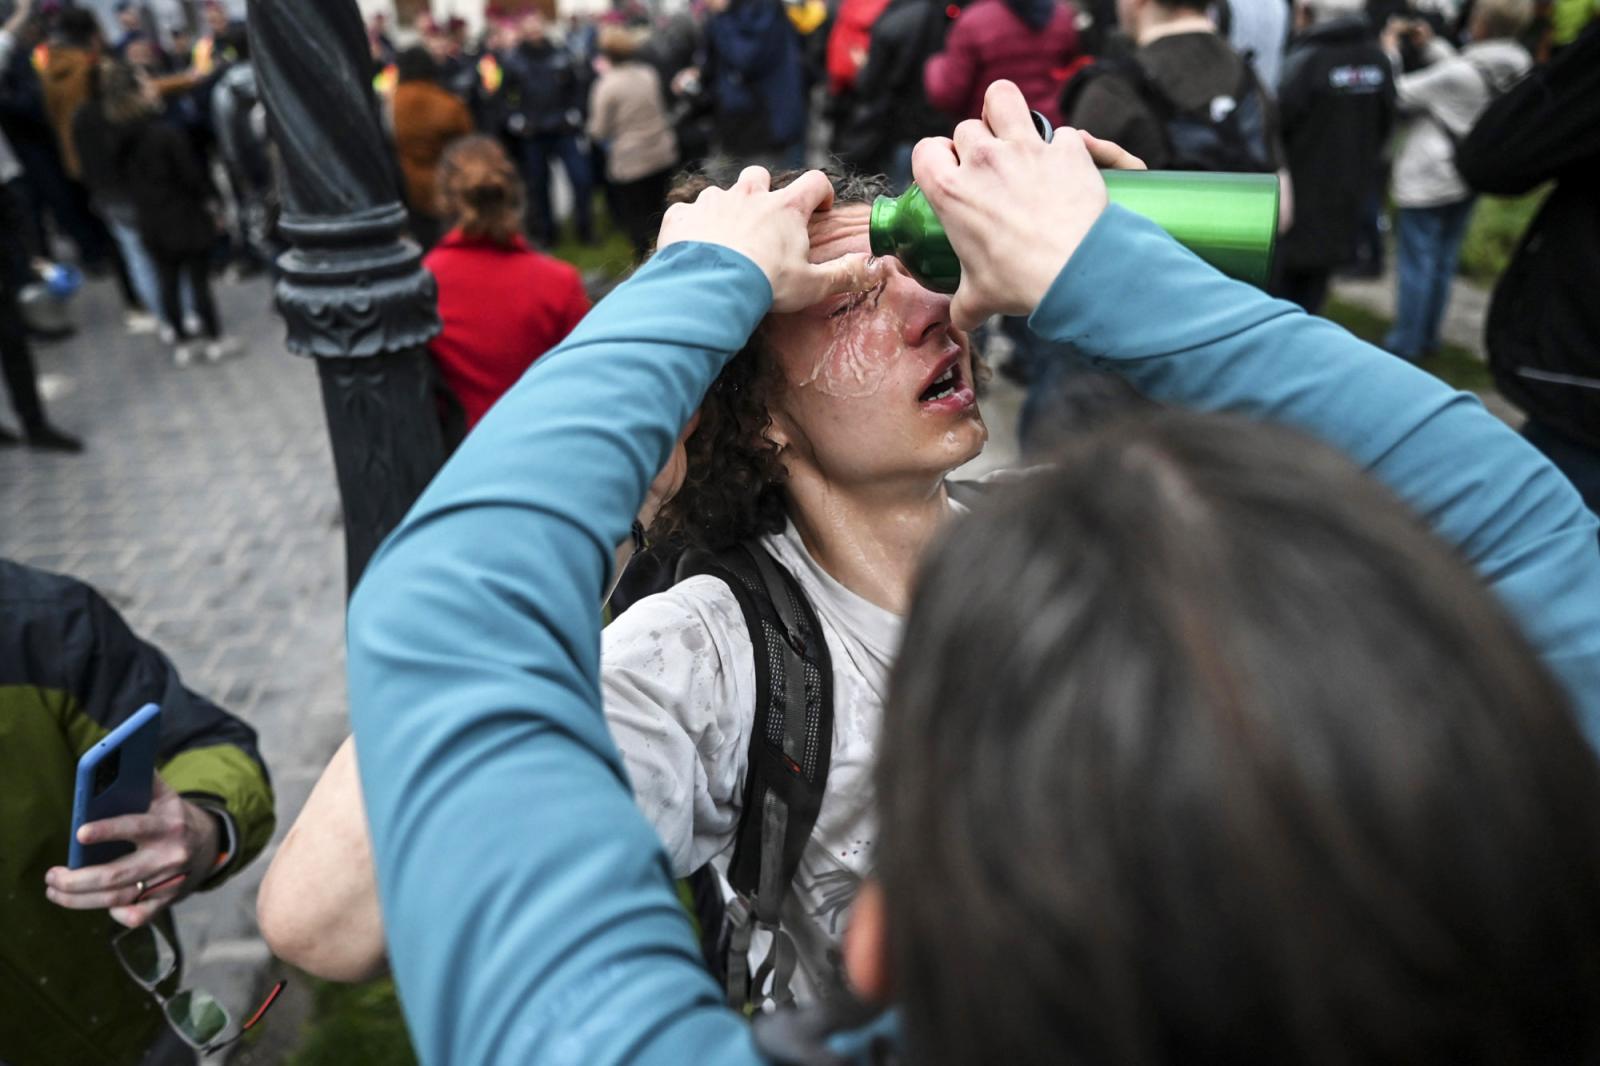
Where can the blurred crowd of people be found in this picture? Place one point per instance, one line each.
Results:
(147, 145)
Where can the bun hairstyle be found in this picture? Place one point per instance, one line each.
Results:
(479, 191)
(619, 43)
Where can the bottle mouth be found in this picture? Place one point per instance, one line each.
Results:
(880, 225)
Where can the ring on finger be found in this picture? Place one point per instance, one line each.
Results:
(140, 885)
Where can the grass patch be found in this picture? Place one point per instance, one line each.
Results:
(355, 1025)
(1497, 225)
(610, 257)
(1454, 365)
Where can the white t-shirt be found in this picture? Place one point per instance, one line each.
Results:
(679, 684)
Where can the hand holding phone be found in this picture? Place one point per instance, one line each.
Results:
(136, 844)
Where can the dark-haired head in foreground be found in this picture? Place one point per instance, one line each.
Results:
(1220, 757)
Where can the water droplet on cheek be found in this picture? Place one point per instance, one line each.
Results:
(859, 352)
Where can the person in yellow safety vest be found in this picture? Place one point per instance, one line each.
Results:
(806, 15)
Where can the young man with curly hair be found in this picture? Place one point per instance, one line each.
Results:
(828, 439)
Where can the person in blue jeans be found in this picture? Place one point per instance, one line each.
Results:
(529, 909)
(1429, 246)
(546, 92)
(1438, 104)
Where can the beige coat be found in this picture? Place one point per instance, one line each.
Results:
(626, 110)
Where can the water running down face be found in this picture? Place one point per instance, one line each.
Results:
(877, 385)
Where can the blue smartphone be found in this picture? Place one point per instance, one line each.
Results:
(115, 777)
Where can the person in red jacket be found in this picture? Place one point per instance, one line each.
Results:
(848, 42)
(502, 304)
(1033, 43)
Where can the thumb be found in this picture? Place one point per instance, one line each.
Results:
(855, 272)
(965, 312)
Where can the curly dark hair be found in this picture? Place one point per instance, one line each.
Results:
(733, 490)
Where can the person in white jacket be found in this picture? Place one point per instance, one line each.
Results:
(1438, 104)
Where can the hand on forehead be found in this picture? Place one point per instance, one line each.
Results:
(839, 231)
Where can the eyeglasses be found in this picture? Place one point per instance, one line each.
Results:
(198, 1017)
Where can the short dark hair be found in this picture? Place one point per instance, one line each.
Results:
(415, 64)
(733, 489)
(1201, 748)
(78, 28)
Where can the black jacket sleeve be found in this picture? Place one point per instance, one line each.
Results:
(1547, 127)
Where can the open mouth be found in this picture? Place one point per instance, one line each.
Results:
(943, 386)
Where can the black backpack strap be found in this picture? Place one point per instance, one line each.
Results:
(1125, 67)
(791, 741)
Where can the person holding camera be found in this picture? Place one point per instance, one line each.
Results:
(1438, 103)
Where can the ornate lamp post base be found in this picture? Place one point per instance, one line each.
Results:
(352, 292)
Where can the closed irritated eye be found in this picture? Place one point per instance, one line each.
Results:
(855, 300)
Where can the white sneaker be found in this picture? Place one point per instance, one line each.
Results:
(192, 324)
(168, 335)
(222, 348)
(183, 355)
(140, 322)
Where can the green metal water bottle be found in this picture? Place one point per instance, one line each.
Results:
(1229, 220)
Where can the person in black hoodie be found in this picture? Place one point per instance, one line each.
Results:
(892, 112)
(1336, 106)
(1543, 332)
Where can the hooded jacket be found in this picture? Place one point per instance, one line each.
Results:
(1335, 111)
(1543, 332)
(1440, 102)
(755, 77)
(1031, 42)
(70, 671)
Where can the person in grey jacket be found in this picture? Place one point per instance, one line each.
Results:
(1438, 104)
(628, 112)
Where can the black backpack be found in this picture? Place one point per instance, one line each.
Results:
(791, 742)
(1227, 133)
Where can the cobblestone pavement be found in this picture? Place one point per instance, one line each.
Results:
(205, 509)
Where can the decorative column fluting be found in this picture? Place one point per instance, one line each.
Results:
(352, 289)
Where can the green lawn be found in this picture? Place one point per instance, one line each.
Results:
(1497, 225)
(354, 1025)
(609, 258)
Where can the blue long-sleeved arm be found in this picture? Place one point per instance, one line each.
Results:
(529, 908)
(1138, 304)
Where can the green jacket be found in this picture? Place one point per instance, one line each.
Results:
(70, 671)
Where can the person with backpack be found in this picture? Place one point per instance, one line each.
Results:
(1143, 802)
(1438, 104)
(746, 702)
(1337, 107)
(889, 112)
(1183, 100)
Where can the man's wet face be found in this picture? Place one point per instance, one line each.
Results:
(878, 384)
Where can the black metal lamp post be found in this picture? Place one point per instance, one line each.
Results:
(353, 290)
